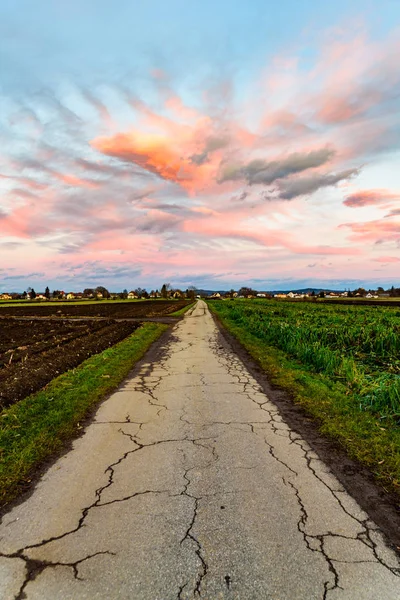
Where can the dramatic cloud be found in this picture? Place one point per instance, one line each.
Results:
(211, 145)
(307, 185)
(370, 197)
(262, 172)
(162, 172)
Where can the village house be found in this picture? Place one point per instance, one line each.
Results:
(5, 296)
(132, 295)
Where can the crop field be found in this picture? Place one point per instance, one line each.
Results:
(33, 352)
(356, 345)
(111, 310)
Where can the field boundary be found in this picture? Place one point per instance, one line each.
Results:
(36, 428)
(182, 311)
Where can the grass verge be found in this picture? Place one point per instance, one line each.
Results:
(40, 425)
(363, 436)
(179, 313)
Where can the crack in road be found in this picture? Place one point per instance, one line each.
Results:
(189, 531)
(153, 387)
(232, 365)
(35, 567)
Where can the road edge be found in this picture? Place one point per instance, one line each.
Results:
(357, 480)
(156, 349)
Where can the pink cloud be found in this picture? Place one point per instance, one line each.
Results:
(371, 197)
(246, 171)
(76, 181)
(387, 259)
(374, 231)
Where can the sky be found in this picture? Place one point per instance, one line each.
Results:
(214, 144)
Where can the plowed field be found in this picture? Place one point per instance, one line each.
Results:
(33, 352)
(112, 310)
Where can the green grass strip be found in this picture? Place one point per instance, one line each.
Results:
(38, 426)
(373, 442)
(179, 313)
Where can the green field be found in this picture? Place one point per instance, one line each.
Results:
(340, 363)
(359, 346)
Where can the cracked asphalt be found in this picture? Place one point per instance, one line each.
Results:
(189, 484)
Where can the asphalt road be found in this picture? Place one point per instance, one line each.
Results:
(188, 484)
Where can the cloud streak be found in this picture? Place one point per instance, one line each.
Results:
(260, 178)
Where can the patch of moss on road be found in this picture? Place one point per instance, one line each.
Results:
(40, 425)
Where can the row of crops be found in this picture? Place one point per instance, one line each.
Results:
(357, 345)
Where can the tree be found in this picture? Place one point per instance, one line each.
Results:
(246, 291)
(190, 293)
(102, 290)
(360, 291)
(47, 293)
(32, 294)
(321, 294)
(394, 292)
(88, 292)
(165, 289)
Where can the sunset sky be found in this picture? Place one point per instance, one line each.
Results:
(209, 143)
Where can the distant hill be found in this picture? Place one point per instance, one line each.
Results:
(305, 291)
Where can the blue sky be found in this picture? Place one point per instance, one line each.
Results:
(217, 143)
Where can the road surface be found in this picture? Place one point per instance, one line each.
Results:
(188, 484)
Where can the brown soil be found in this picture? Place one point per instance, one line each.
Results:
(111, 310)
(33, 352)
